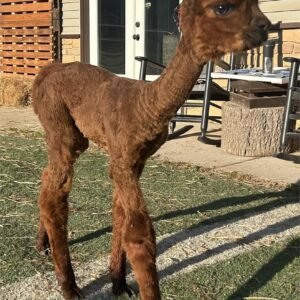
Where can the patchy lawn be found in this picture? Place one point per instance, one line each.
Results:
(269, 273)
(179, 197)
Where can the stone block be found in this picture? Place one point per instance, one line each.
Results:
(73, 51)
(68, 58)
(291, 35)
(76, 43)
(67, 42)
(297, 49)
(287, 48)
(68, 46)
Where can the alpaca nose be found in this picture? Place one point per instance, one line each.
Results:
(266, 24)
(262, 22)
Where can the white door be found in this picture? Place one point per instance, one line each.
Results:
(123, 29)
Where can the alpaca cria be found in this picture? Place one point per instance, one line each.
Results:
(129, 120)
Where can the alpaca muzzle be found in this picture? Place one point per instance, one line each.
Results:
(258, 31)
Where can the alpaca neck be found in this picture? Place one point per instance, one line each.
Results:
(176, 82)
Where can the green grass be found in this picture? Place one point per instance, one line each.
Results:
(178, 197)
(270, 272)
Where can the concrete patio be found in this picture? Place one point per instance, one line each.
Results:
(188, 149)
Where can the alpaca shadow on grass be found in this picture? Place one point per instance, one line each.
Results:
(100, 288)
(269, 270)
(287, 196)
(276, 228)
(218, 204)
(228, 218)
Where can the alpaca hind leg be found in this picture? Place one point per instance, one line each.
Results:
(65, 132)
(53, 205)
(64, 146)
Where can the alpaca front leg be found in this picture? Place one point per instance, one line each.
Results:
(118, 255)
(140, 247)
(53, 204)
(138, 236)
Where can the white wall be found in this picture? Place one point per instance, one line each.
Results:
(71, 16)
(281, 10)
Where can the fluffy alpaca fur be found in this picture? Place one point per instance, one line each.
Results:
(129, 120)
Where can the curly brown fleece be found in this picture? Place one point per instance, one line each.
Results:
(129, 120)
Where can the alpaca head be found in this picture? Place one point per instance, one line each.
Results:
(215, 27)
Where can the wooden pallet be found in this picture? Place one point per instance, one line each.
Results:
(26, 36)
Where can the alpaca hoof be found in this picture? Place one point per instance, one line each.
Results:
(43, 248)
(73, 293)
(120, 287)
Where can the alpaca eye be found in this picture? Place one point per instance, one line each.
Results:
(223, 9)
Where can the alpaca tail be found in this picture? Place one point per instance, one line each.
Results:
(38, 86)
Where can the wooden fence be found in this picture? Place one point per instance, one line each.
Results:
(26, 36)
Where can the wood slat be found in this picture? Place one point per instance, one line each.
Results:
(25, 17)
(27, 23)
(25, 62)
(15, 69)
(24, 51)
(24, 20)
(9, 54)
(27, 31)
(35, 47)
(25, 39)
(12, 75)
(25, 7)
(20, 1)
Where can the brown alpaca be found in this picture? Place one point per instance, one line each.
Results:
(129, 120)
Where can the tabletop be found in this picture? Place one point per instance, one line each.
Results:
(279, 75)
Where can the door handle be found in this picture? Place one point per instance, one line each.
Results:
(136, 37)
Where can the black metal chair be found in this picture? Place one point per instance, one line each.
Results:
(204, 92)
(292, 108)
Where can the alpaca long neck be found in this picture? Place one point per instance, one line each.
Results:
(176, 82)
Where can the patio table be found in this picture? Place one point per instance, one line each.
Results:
(279, 75)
